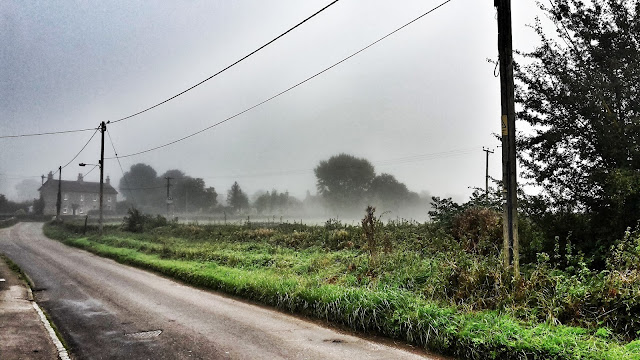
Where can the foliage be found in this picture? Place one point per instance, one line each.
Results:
(578, 90)
(237, 199)
(10, 207)
(390, 194)
(427, 291)
(274, 202)
(135, 221)
(143, 188)
(191, 195)
(479, 230)
(142, 185)
(443, 211)
(4, 223)
(38, 205)
(344, 180)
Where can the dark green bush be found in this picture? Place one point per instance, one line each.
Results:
(136, 221)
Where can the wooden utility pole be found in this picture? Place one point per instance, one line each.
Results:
(486, 177)
(59, 199)
(508, 119)
(169, 200)
(103, 129)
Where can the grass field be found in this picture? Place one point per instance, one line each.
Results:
(412, 282)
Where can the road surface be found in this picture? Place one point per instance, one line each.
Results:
(106, 310)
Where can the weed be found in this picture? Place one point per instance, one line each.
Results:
(427, 289)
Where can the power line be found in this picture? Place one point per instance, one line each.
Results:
(184, 91)
(85, 145)
(15, 177)
(45, 133)
(394, 161)
(226, 68)
(120, 164)
(290, 88)
(424, 157)
(88, 172)
(79, 152)
(143, 188)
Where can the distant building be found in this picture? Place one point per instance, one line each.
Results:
(78, 197)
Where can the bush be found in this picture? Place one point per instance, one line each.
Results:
(139, 222)
(479, 230)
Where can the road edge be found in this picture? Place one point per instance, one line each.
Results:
(63, 353)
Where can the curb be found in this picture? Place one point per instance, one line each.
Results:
(62, 352)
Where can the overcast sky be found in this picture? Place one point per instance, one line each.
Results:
(426, 90)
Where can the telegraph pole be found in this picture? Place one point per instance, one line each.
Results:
(486, 177)
(169, 200)
(103, 128)
(59, 199)
(508, 118)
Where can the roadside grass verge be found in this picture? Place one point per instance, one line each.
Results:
(16, 269)
(314, 271)
(8, 222)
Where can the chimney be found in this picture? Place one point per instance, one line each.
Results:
(50, 176)
(108, 181)
(80, 177)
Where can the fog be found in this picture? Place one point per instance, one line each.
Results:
(419, 105)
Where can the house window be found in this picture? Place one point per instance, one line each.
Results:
(81, 210)
(66, 196)
(109, 207)
(64, 210)
(109, 198)
(81, 197)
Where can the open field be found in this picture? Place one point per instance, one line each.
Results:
(413, 282)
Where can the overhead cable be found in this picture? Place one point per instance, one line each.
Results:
(120, 164)
(46, 133)
(395, 161)
(287, 90)
(85, 145)
(226, 68)
(89, 172)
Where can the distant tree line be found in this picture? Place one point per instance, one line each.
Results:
(144, 189)
(345, 184)
(8, 207)
(349, 184)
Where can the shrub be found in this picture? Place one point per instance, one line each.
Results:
(478, 229)
(136, 221)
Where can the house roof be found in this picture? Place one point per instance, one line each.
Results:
(77, 186)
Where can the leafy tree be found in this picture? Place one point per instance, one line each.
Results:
(141, 184)
(9, 207)
(344, 180)
(388, 191)
(4, 203)
(190, 195)
(38, 205)
(174, 174)
(579, 91)
(275, 202)
(236, 198)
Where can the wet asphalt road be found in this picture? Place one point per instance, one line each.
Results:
(106, 310)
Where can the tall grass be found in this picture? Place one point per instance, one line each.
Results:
(425, 290)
